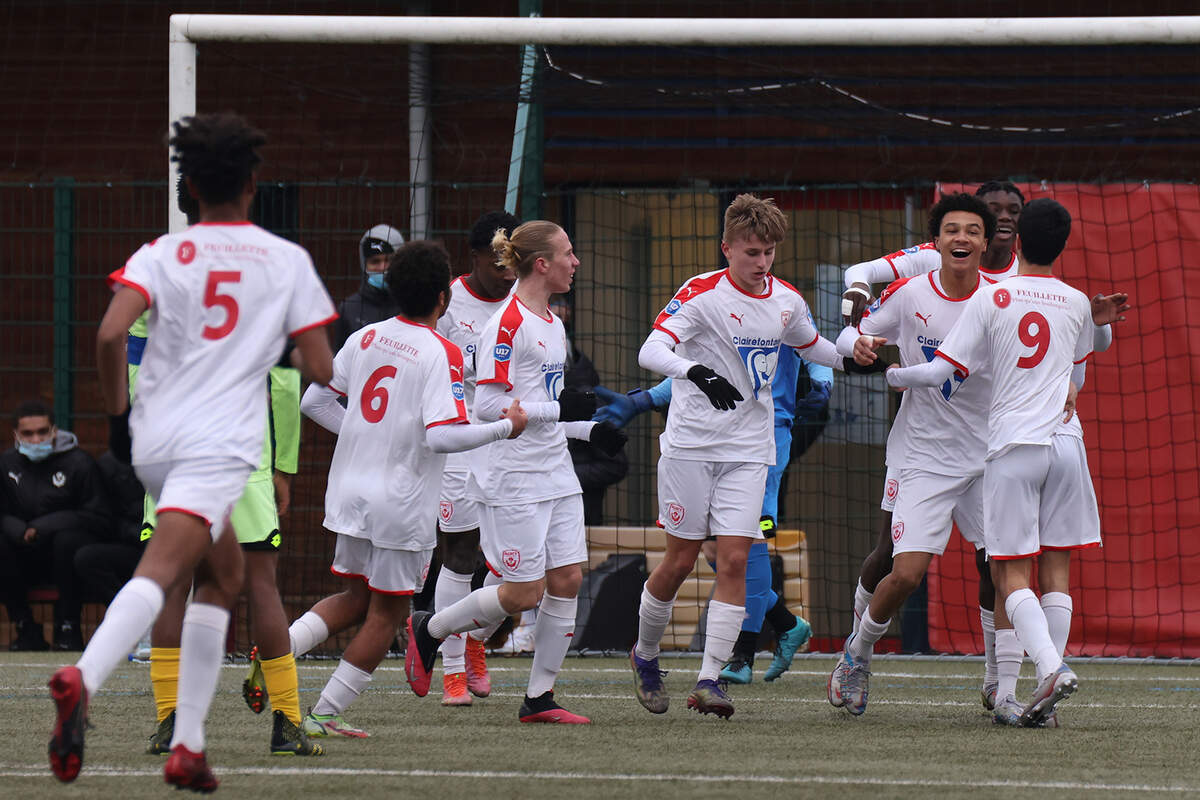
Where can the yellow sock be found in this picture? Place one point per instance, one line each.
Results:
(283, 685)
(164, 679)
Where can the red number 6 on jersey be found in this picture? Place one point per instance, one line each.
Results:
(1039, 340)
(225, 301)
(372, 392)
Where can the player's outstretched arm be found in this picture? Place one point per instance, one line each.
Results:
(465, 436)
(320, 404)
(125, 307)
(933, 373)
(619, 409)
(316, 357)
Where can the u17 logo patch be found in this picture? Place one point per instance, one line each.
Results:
(502, 353)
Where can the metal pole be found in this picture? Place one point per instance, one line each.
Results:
(181, 102)
(64, 261)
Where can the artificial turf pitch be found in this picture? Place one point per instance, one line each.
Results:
(1130, 731)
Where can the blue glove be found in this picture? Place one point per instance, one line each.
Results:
(619, 408)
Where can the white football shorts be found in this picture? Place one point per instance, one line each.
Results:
(521, 542)
(696, 498)
(891, 490)
(1070, 518)
(1012, 491)
(396, 572)
(204, 487)
(929, 506)
(457, 513)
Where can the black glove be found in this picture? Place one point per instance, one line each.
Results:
(119, 442)
(720, 392)
(852, 367)
(608, 438)
(575, 405)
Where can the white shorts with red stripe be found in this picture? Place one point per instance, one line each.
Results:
(386, 571)
(521, 542)
(1070, 517)
(206, 487)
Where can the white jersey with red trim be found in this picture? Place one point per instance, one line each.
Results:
(461, 324)
(526, 353)
(737, 334)
(1028, 332)
(944, 429)
(399, 378)
(918, 260)
(223, 297)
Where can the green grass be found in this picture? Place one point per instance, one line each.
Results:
(1130, 731)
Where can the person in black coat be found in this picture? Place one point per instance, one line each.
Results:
(104, 567)
(52, 503)
(372, 302)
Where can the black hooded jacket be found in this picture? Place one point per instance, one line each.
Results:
(63, 492)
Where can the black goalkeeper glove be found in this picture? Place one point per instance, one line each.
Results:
(119, 441)
(720, 392)
(575, 405)
(608, 438)
(852, 367)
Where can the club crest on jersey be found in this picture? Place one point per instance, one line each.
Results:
(675, 513)
(760, 362)
(785, 316)
(897, 531)
(367, 338)
(893, 488)
(458, 391)
(1002, 298)
(511, 558)
(672, 307)
(554, 381)
(502, 352)
(445, 510)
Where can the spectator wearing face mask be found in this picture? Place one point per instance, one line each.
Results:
(51, 504)
(371, 303)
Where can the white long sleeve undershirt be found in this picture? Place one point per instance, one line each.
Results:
(456, 438)
(320, 404)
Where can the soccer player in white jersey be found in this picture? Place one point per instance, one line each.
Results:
(937, 444)
(1030, 330)
(224, 296)
(531, 507)
(405, 408)
(475, 297)
(999, 261)
(722, 332)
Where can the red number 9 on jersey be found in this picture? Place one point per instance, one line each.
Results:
(374, 400)
(1039, 340)
(225, 301)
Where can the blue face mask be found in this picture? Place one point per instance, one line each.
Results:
(36, 452)
(375, 279)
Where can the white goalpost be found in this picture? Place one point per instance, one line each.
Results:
(188, 29)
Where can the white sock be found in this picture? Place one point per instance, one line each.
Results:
(1030, 622)
(1057, 607)
(129, 614)
(477, 610)
(307, 632)
(201, 650)
(552, 634)
(485, 633)
(862, 599)
(345, 684)
(1008, 662)
(720, 634)
(452, 587)
(862, 646)
(988, 620)
(653, 617)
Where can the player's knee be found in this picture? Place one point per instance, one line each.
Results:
(564, 583)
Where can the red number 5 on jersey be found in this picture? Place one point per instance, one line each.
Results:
(225, 301)
(1039, 340)
(373, 411)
